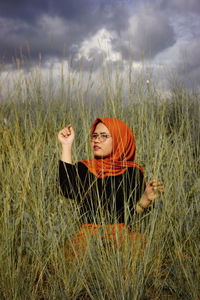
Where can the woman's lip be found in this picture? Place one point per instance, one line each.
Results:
(96, 148)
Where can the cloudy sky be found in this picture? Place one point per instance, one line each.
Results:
(164, 34)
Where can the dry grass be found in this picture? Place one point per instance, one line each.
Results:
(36, 221)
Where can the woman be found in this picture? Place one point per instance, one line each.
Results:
(109, 188)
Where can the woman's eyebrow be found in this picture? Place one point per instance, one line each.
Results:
(102, 132)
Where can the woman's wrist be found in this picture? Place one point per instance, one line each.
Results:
(66, 146)
(66, 154)
(143, 203)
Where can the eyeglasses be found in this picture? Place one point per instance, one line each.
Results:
(102, 137)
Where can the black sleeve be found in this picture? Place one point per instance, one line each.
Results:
(136, 187)
(71, 178)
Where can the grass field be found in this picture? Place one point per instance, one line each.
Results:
(36, 221)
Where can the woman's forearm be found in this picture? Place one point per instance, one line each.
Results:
(66, 154)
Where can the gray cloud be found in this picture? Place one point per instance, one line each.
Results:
(58, 29)
(188, 66)
(180, 6)
(185, 56)
(94, 59)
(21, 9)
(148, 34)
(54, 27)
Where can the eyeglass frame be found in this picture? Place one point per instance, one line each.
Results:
(101, 136)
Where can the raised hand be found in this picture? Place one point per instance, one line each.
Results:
(66, 135)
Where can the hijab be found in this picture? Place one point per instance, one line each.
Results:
(123, 154)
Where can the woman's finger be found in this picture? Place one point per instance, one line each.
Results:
(158, 187)
(155, 182)
(69, 129)
(158, 184)
(65, 133)
(160, 190)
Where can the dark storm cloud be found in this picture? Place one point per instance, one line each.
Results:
(55, 28)
(58, 28)
(180, 6)
(149, 33)
(188, 67)
(23, 9)
(187, 62)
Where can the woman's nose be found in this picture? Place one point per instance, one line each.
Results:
(97, 138)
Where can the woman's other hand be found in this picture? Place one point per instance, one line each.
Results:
(154, 189)
(66, 135)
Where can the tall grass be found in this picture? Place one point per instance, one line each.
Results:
(36, 221)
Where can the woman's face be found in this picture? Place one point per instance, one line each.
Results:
(101, 141)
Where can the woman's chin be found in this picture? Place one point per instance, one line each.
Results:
(98, 154)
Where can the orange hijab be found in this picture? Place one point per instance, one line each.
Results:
(123, 154)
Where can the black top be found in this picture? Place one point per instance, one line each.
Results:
(102, 200)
